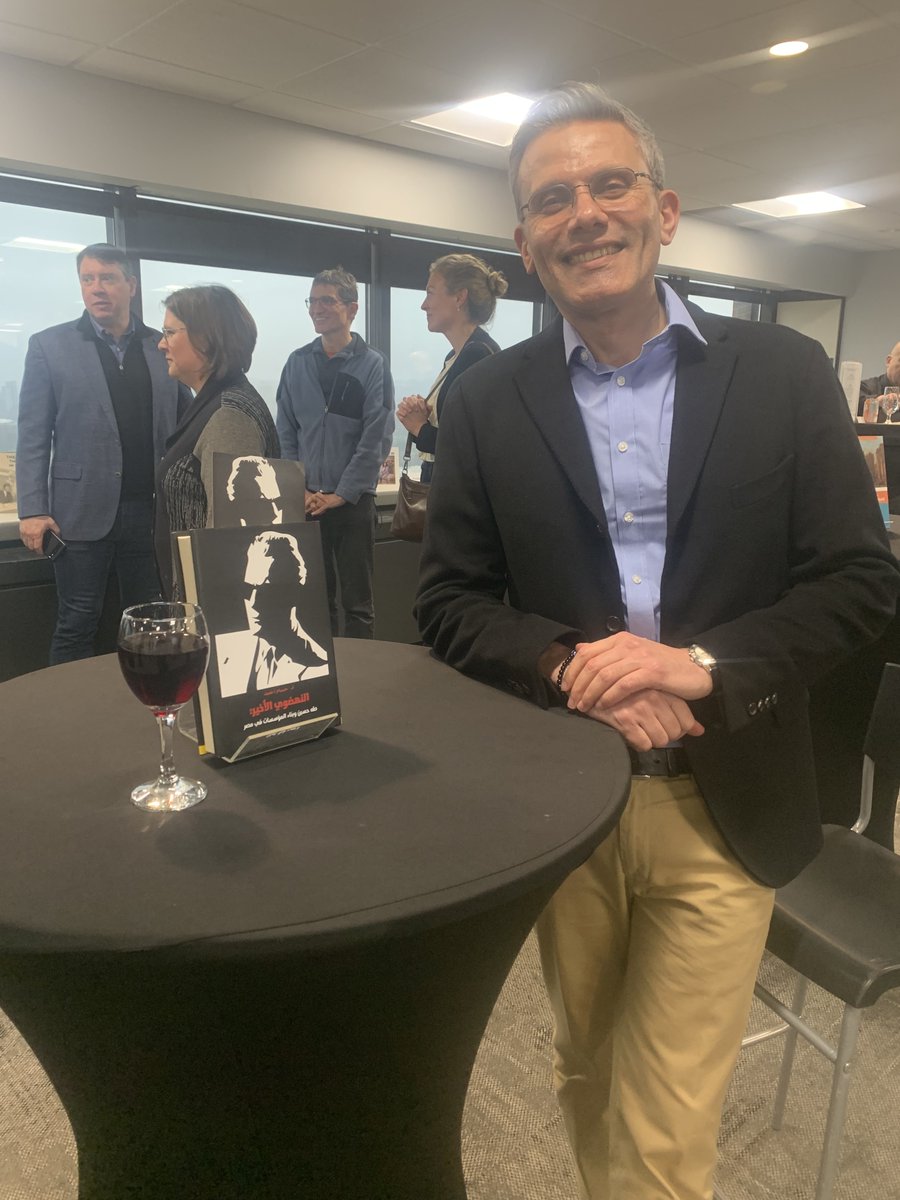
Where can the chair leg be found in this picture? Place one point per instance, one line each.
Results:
(787, 1059)
(837, 1108)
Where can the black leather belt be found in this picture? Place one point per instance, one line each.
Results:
(669, 762)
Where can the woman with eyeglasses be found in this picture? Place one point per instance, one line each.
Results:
(460, 297)
(208, 339)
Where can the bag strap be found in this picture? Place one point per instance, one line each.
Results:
(407, 453)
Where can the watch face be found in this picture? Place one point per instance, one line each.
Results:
(702, 658)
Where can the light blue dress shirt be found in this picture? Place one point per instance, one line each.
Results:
(627, 414)
(118, 347)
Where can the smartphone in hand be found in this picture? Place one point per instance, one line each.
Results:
(53, 545)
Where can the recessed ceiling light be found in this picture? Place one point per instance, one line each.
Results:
(803, 204)
(492, 119)
(786, 49)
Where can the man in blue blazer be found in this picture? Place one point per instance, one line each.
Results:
(661, 519)
(95, 409)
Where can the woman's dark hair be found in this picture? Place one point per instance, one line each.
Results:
(218, 326)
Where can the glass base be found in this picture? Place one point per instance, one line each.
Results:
(172, 795)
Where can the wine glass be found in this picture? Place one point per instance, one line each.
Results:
(890, 401)
(163, 650)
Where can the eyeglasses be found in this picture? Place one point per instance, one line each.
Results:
(608, 188)
(168, 334)
(325, 301)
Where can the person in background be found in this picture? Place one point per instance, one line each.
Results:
(95, 408)
(336, 416)
(208, 339)
(460, 298)
(631, 520)
(874, 388)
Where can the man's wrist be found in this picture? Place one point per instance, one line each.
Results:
(701, 657)
(552, 659)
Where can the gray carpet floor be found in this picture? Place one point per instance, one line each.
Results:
(514, 1147)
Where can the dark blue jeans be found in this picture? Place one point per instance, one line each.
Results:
(348, 536)
(82, 571)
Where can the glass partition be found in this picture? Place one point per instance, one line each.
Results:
(38, 288)
(417, 355)
(276, 303)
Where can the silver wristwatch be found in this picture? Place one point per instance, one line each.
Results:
(703, 659)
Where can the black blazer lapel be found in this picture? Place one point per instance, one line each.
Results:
(544, 384)
(702, 380)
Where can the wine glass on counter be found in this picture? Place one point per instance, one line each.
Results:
(163, 650)
(890, 401)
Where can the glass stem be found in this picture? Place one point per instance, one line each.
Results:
(166, 722)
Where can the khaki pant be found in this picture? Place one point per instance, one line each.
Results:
(650, 952)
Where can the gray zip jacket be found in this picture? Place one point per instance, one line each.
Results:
(342, 438)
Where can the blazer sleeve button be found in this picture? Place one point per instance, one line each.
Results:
(751, 708)
(614, 625)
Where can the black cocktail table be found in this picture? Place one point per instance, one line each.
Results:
(280, 993)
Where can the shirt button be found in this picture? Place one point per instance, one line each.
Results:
(635, 579)
(622, 447)
(620, 380)
(583, 354)
(628, 518)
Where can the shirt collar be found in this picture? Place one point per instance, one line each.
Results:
(106, 335)
(676, 314)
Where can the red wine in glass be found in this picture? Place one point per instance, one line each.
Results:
(163, 670)
(163, 650)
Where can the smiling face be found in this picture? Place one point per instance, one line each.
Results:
(442, 308)
(330, 316)
(593, 260)
(107, 293)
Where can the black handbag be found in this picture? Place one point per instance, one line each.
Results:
(412, 500)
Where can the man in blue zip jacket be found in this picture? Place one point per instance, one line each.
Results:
(336, 416)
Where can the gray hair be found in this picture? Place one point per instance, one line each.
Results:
(342, 281)
(581, 102)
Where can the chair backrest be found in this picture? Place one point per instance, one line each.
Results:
(882, 747)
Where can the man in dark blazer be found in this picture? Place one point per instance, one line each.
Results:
(662, 519)
(95, 408)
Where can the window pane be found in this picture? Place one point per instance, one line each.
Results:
(276, 303)
(417, 356)
(38, 288)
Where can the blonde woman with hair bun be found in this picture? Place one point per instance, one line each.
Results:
(460, 298)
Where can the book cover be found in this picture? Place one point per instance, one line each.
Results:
(7, 483)
(271, 679)
(257, 492)
(873, 451)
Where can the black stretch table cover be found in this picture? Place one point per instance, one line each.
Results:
(436, 791)
(278, 995)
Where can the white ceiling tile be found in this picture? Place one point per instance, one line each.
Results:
(697, 171)
(654, 22)
(97, 21)
(307, 112)
(747, 39)
(360, 19)
(166, 76)
(865, 53)
(47, 47)
(514, 45)
(378, 82)
(234, 42)
(688, 69)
